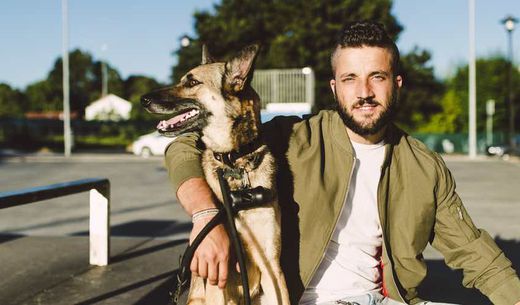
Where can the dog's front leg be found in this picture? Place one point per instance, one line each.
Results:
(197, 292)
(273, 286)
(215, 295)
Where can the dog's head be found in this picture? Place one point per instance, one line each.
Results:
(214, 98)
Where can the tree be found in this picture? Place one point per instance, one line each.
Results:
(450, 119)
(421, 92)
(491, 84)
(293, 37)
(85, 84)
(293, 33)
(134, 87)
(12, 102)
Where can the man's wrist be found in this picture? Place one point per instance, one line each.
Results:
(203, 214)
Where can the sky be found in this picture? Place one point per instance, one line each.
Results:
(140, 35)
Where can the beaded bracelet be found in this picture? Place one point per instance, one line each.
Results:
(203, 214)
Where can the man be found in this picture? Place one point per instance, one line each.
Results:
(360, 199)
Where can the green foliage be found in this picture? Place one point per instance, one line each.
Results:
(293, 33)
(85, 84)
(421, 92)
(450, 119)
(43, 96)
(491, 84)
(135, 86)
(296, 33)
(12, 102)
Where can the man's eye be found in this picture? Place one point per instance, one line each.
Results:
(193, 83)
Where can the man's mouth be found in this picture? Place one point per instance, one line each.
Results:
(179, 121)
(365, 105)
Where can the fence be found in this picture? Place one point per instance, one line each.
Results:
(285, 86)
(99, 223)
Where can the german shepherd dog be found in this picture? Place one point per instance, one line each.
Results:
(217, 100)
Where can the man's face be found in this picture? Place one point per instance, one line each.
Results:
(365, 88)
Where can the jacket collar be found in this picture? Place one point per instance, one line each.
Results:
(340, 135)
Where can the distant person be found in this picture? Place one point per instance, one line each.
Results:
(360, 198)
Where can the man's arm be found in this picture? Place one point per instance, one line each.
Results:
(211, 257)
(182, 159)
(465, 247)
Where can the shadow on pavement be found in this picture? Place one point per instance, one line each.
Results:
(161, 294)
(441, 285)
(132, 254)
(9, 237)
(444, 285)
(146, 228)
(157, 299)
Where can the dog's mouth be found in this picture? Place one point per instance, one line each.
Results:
(179, 121)
(185, 117)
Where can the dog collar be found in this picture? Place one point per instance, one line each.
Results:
(229, 158)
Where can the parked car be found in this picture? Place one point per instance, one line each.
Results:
(152, 144)
(503, 150)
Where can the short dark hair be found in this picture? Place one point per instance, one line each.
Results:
(366, 34)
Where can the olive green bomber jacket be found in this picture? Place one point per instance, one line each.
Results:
(417, 204)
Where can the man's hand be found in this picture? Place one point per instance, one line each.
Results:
(211, 259)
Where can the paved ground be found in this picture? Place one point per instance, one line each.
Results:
(142, 201)
(149, 230)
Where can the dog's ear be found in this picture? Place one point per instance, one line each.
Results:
(238, 69)
(206, 57)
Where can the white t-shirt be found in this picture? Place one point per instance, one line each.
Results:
(351, 265)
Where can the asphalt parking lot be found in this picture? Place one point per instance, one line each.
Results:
(142, 201)
(149, 229)
(140, 192)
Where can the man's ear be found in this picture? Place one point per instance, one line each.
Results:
(206, 57)
(332, 84)
(398, 81)
(239, 68)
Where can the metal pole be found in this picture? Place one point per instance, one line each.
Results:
(65, 61)
(490, 111)
(512, 141)
(472, 84)
(104, 85)
(104, 73)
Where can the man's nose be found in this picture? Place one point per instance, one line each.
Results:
(365, 91)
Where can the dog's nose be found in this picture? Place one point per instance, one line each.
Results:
(146, 100)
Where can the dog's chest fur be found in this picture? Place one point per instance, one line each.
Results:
(259, 227)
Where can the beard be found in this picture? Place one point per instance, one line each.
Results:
(374, 126)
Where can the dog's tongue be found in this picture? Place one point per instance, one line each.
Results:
(176, 120)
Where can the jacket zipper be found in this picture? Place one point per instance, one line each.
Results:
(385, 167)
(335, 224)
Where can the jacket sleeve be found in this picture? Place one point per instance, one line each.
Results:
(182, 159)
(183, 155)
(465, 247)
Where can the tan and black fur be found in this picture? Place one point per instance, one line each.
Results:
(228, 117)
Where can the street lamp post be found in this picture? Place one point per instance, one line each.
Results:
(67, 132)
(472, 83)
(509, 24)
(104, 72)
(490, 111)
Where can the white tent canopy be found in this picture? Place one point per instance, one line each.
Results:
(108, 108)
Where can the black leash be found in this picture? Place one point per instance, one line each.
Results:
(183, 275)
(235, 239)
(234, 201)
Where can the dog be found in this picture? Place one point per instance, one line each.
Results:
(216, 99)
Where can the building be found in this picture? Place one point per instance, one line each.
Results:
(108, 108)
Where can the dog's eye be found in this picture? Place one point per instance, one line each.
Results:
(192, 83)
